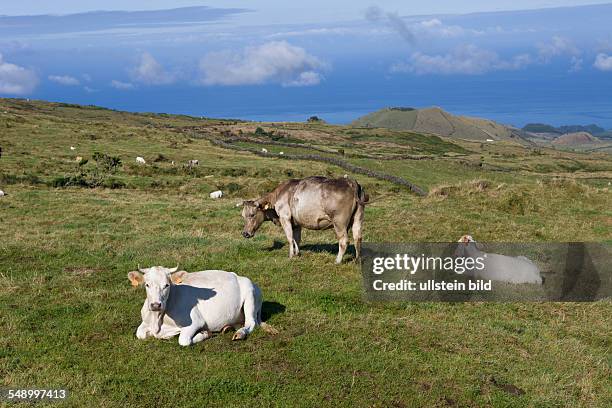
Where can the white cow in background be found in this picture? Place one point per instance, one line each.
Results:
(194, 305)
(2, 193)
(192, 163)
(140, 160)
(216, 194)
(264, 150)
(498, 267)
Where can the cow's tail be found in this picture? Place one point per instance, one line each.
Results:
(268, 328)
(361, 196)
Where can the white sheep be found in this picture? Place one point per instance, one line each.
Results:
(2, 193)
(192, 163)
(216, 194)
(72, 148)
(502, 268)
(140, 160)
(264, 150)
(281, 152)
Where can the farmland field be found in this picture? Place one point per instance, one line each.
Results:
(70, 232)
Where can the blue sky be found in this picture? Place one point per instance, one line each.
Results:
(265, 60)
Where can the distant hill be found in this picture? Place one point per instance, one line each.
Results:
(541, 128)
(576, 138)
(544, 128)
(436, 121)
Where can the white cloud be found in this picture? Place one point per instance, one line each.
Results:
(603, 62)
(124, 86)
(64, 80)
(151, 72)
(557, 46)
(307, 78)
(272, 62)
(314, 32)
(466, 60)
(16, 80)
(576, 64)
(435, 27)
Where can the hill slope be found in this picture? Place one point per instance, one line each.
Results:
(578, 138)
(437, 121)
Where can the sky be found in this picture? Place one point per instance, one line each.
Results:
(267, 60)
(313, 11)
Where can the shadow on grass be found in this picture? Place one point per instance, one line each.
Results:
(319, 248)
(269, 309)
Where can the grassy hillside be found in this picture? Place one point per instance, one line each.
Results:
(70, 231)
(438, 122)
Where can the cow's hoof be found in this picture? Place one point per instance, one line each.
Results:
(239, 335)
(226, 328)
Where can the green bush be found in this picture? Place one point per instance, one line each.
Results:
(108, 163)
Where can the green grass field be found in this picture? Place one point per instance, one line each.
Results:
(69, 314)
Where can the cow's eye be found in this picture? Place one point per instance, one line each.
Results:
(146, 285)
(166, 285)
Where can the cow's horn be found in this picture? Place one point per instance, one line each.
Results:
(172, 270)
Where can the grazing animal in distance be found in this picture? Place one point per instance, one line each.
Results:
(2, 193)
(72, 148)
(192, 163)
(216, 194)
(281, 153)
(315, 203)
(78, 159)
(502, 268)
(140, 160)
(264, 150)
(195, 305)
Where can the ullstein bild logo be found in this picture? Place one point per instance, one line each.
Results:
(474, 271)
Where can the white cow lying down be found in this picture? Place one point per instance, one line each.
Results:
(194, 305)
(502, 268)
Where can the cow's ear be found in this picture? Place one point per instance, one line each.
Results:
(177, 277)
(136, 278)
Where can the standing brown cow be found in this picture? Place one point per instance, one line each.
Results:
(315, 203)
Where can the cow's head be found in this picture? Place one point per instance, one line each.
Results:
(157, 281)
(254, 214)
(464, 242)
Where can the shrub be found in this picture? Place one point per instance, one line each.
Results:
(108, 163)
(161, 158)
(113, 183)
(234, 172)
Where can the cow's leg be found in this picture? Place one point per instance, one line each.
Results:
(297, 237)
(343, 239)
(357, 229)
(143, 331)
(250, 307)
(188, 334)
(201, 336)
(288, 228)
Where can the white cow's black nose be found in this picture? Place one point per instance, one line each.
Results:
(246, 234)
(155, 305)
